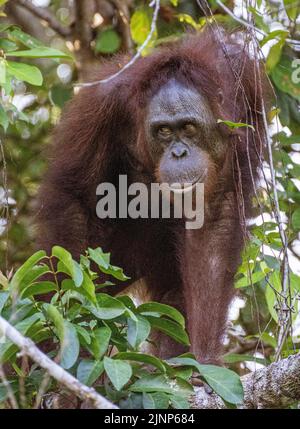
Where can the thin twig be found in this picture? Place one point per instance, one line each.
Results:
(136, 56)
(251, 26)
(10, 393)
(47, 16)
(28, 348)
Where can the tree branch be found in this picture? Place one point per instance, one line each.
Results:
(29, 349)
(47, 16)
(276, 386)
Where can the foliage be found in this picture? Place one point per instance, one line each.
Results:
(97, 337)
(33, 92)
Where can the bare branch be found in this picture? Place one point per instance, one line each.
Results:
(47, 16)
(29, 349)
(124, 24)
(276, 386)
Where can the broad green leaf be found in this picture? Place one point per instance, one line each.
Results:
(161, 383)
(72, 267)
(163, 309)
(274, 55)
(292, 9)
(108, 42)
(89, 371)
(155, 401)
(25, 38)
(38, 288)
(41, 52)
(107, 307)
(25, 72)
(4, 120)
(144, 358)
(248, 280)
(140, 24)
(3, 299)
(56, 318)
(233, 125)
(26, 268)
(235, 357)
(69, 346)
(138, 331)
(100, 341)
(119, 372)
(273, 285)
(7, 348)
(282, 76)
(296, 219)
(32, 275)
(89, 287)
(273, 35)
(223, 381)
(179, 403)
(100, 258)
(82, 333)
(170, 328)
(2, 71)
(59, 95)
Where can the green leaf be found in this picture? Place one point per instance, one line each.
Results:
(235, 357)
(72, 267)
(107, 307)
(66, 332)
(24, 38)
(138, 331)
(144, 358)
(282, 76)
(59, 95)
(270, 294)
(25, 268)
(140, 24)
(100, 258)
(41, 52)
(274, 55)
(161, 383)
(179, 403)
(39, 288)
(3, 299)
(248, 280)
(25, 72)
(89, 371)
(233, 125)
(223, 381)
(100, 341)
(155, 401)
(119, 372)
(8, 349)
(296, 220)
(4, 121)
(163, 309)
(2, 71)
(170, 328)
(292, 9)
(108, 42)
(69, 346)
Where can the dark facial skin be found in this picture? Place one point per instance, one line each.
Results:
(182, 134)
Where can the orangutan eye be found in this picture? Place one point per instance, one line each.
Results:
(164, 131)
(189, 129)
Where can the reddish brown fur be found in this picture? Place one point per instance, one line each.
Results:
(100, 136)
